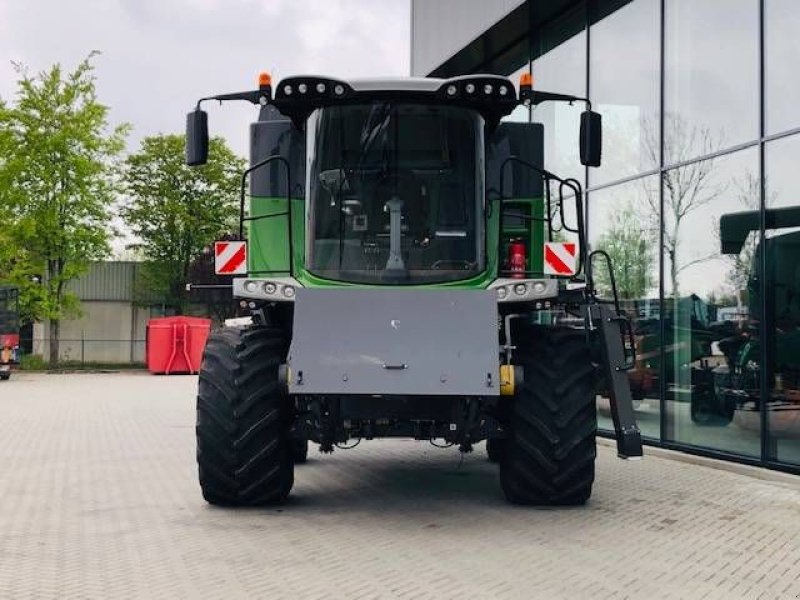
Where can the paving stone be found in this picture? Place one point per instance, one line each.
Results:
(99, 499)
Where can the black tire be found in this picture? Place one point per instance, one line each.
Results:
(300, 451)
(707, 410)
(244, 452)
(5, 376)
(495, 448)
(550, 454)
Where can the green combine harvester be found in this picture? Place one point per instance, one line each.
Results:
(404, 280)
(750, 358)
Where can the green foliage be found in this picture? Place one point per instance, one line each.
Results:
(177, 211)
(631, 249)
(57, 165)
(32, 362)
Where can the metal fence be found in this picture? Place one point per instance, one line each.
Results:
(86, 351)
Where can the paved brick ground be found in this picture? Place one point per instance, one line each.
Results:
(98, 499)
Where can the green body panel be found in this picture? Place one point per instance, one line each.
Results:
(268, 243)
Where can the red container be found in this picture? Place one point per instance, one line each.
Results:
(175, 344)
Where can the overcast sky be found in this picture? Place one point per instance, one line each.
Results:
(159, 56)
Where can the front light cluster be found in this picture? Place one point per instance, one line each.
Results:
(268, 290)
(479, 88)
(310, 88)
(517, 290)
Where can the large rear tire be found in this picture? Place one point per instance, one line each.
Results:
(550, 453)
(495, 448)
(300, 451)
(244, 452)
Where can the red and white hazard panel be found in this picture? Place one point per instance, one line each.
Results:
(230, 258)
(560, 258)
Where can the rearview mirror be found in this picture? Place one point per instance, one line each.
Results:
(591, 141)
(196, 138)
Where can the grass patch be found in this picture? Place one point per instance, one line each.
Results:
(34, 362)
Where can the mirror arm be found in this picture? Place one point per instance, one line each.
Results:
(534, 97)
(258, 97)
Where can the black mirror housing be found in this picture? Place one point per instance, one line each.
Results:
(591, 139)
(196, 138)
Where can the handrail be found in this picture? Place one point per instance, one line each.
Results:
(288, 212)
(547, 176)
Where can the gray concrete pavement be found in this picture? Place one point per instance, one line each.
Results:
(98, 499)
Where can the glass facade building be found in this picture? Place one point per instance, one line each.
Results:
(695, 201)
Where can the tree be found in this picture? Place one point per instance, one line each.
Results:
(630, 247)
(176, 211)
(687, 187)
(56, 185)
(748, 193)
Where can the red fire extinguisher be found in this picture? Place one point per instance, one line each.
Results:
(516, 262)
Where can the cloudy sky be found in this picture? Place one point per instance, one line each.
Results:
(159, 56)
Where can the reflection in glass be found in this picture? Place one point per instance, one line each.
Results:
(624, 88)
(782, 55)
(709, 315)
(622, 222)
(711, 78)
(563, 70)
(782, 299)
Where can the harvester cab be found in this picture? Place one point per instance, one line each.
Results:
(412, 270)
(767, 344)
(9, 330)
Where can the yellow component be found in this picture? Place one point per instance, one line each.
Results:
(506, 380)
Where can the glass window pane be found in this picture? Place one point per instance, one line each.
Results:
(563, 70)
(709, 320)
(623, 221)
(624, 88)
(782, 299)
(782, 23)
(711, 79)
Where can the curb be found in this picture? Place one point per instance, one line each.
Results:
(713, 463)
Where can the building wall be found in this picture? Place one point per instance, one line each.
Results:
(700, 121)
(107, 332)
(439, 27)
(112, 325)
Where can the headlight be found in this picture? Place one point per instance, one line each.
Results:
(451, 90)
(288, 291)
(250, 286)
(520, 289)
(302, 88)
(321, 87)
(287, 89)
(270, 288)
(539, 287)
(470, 88)
(502, 293)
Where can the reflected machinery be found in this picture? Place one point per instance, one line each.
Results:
(737, 390)
(404, 279)
(9, 330)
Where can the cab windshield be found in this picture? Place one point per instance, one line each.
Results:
(395, 193)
